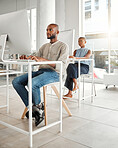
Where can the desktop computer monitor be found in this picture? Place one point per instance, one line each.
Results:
(16, 26)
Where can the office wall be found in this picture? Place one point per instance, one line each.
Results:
(7, 6)
(63, 12)
(60, 13)
(72, 17)
(45, 13)
(67, 16)
(45, 16)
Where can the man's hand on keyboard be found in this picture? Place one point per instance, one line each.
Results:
(36, 58)
(26, 58)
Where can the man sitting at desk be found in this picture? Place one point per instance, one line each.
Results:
(53, 51)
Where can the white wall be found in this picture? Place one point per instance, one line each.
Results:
(45, 16)
(60, 13)
(67, 16)
(72, 17)
(7, 6)
(45, 13)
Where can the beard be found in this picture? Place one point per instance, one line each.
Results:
(52, 37)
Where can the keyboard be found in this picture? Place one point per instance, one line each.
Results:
(25, 60)
(22, 60)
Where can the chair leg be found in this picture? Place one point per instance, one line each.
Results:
(63, 102)
(23, 115)
(83, 88)
(44, 97)
(45, 110)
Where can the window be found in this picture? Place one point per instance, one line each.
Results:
(101, 31)
(96, 3)
(96, 28)
(88, 14)
(87, 9)
(106, 3)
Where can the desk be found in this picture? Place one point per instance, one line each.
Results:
(8, 72)
(30, 133)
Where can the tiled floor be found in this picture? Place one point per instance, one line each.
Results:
(93, 125)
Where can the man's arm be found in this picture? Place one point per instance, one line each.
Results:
(38, 56)
(62, 57)
(39, 59)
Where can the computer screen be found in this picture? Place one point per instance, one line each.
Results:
(16, 26)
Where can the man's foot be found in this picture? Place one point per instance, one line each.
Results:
(27, 115)
(41, 107)
(67, 96)
(75, 88)
(39, 114)
(39, 117)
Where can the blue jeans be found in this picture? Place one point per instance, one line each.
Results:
(39, 79)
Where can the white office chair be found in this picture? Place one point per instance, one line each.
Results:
(82, 77)
(66, 36)
(89, 76)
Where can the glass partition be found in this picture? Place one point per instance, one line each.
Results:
(101, 31)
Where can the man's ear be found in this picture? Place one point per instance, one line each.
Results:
(57, 31)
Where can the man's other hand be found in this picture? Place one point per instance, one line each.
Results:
(36, 58)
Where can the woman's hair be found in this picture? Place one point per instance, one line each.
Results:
(82, 38)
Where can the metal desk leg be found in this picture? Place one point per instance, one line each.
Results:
(60, 112)
(7, 89)
(30, 103)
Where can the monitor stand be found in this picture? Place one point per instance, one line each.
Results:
(3, 39)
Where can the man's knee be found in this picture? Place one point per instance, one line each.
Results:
(15, 81)
(35, 84)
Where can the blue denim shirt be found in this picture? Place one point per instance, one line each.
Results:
(81, 52)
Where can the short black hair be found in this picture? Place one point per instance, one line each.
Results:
(82, 38)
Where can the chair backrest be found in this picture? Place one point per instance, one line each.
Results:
(91, 67)
(67, 36)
